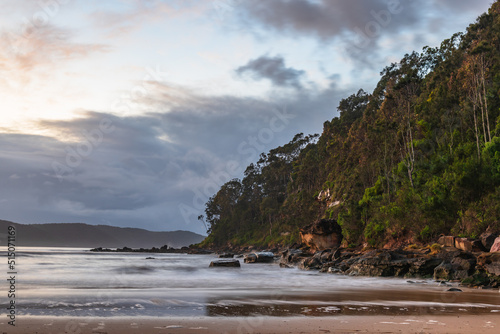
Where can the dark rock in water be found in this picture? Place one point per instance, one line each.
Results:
(260, 257)
(250, 258)
(312, 263)
(454, 290)
(291, 257)
(443, 283)
(324, 234)
(226, 255)
(199, 251)
(380, 263)
(226, 263)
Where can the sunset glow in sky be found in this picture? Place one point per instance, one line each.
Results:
(131, 113)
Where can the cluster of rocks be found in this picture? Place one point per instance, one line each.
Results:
(473, 262)
(463, 261)
(163, 249)
(254, 257)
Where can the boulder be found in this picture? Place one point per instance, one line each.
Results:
(259, 257)
(496, 246)
(490, 262)
(463, 266)
(233, 263)
(337, 254)
(291, 257)
(447, 241)
(380, 263)
(463, 244)
(324, 234)
(312, 263)
(443, 271)
(423, 267)
(488, 239)
(457, 267)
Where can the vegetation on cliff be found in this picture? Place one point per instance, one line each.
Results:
(417, 157)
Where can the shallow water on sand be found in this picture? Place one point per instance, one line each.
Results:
(77, 282)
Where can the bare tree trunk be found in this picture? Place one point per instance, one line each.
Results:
(477, 134)
(270, 226)
(386, 170)
(482, 66)
(482, 116)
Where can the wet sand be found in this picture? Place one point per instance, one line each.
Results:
(484, 324)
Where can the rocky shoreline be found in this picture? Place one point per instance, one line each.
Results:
(163, 249)
(446, 264)
(452, 259)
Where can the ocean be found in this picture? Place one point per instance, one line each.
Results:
(79, 283)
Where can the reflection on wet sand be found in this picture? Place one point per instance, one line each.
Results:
(358, 303)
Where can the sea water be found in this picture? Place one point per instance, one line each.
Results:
(77, 282)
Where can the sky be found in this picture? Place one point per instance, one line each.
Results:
(132, 113)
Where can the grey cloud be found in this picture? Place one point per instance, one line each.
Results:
(358, 27)
(274, 69)
(328, 19)
(144, 171)
(464, 5)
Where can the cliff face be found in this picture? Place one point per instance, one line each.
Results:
(325, 234)
(416, 158)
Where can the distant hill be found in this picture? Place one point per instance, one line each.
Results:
(83, 235)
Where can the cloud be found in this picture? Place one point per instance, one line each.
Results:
(40, 49)
(328, 19)
(363, 29)
(130, 16)
(156, 170)
(464, 5)
(274, 69)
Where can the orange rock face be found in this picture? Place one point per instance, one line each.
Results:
(324, 234)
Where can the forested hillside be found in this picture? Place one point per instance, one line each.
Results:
(417, 157)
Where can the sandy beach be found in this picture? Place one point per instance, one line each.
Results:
(483, 324)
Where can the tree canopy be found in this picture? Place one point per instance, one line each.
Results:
(418, 157)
